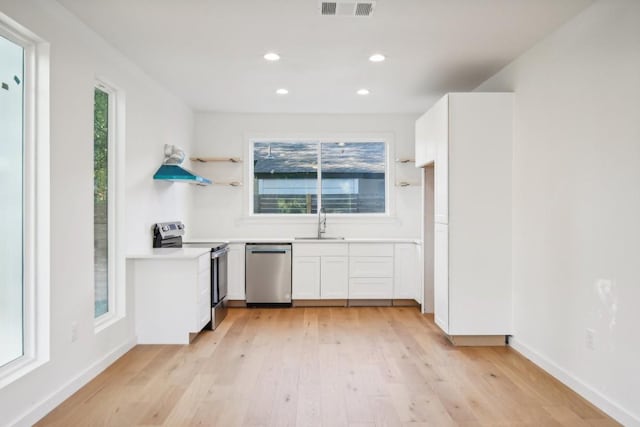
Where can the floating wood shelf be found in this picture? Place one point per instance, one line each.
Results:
(216, 159)
(407, 184)
(405, 160)
(228, 183)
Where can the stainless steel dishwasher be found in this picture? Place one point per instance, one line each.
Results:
(268, 274)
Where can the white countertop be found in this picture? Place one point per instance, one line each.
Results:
(292, 240)
(169, 253)
(192, 253)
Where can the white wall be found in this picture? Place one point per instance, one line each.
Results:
(576, 231)
(221, 212)
(153, 117)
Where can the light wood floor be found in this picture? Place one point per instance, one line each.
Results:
(378, 366)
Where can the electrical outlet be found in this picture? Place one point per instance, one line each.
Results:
(590, 339)
(74, 331)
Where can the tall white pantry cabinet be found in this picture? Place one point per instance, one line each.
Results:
(466, 138)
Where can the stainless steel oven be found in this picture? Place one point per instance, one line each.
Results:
(219, 254)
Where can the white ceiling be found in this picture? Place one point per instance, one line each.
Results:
(209, 52)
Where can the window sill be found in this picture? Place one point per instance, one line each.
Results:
(19, 368)
(313, 219)
(105, 321)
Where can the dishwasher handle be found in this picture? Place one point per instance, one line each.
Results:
(267, 249)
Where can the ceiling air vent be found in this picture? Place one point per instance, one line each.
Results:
(364, 9)
(328, 8)
(347, 8)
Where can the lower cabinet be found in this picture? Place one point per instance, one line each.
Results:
(235, 269)
(305, 277)
(172, 298)
(355, 271)
(334, 277)
(320, 271)
(370, 288)
(406, 278)
(441, 276)
(371, 271)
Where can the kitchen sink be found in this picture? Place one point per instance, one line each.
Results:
(316, 238)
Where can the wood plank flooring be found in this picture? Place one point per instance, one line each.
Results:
(366, 366)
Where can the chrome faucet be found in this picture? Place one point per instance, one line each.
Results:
(322, 222)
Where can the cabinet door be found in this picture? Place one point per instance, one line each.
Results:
(305, 277)
(426, 127)
(441, 276)
(334, 283)
(440, 134)
(235, 276)
(406, 277)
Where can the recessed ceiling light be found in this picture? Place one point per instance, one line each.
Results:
(363, 92)
(377, 57)
(271, 56)
(282, 91)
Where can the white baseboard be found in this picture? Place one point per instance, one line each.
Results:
(47, 404)
(604, 403)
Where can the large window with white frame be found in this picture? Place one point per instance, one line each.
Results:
(12, 196)
(301, 177)
(24, 191)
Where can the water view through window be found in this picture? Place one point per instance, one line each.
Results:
(297, 177)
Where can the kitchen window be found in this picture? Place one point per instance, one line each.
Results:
(300, 177)
(24, 191)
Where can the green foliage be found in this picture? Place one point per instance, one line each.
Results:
(292, 206)
(100, 145)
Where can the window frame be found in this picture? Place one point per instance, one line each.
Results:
(384, 139)
(115, 203)
(36, 202)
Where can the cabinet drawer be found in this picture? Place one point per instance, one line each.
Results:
(370, 266)
(371, 288)
(320, 249)
(204, 314)
(204, 262)
(371, 249)
(204, 282)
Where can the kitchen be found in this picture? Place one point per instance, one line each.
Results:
(557, 205)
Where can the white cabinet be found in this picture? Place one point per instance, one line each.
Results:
(370, 288)
(472, 137)
(235, 272)
(431, 130)
(371, 266)
(320, 271)
(370, 271)
(406, 279)
(334, 277)
(172, 298)
(355, 271)
(441, 276)
(305, 277)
